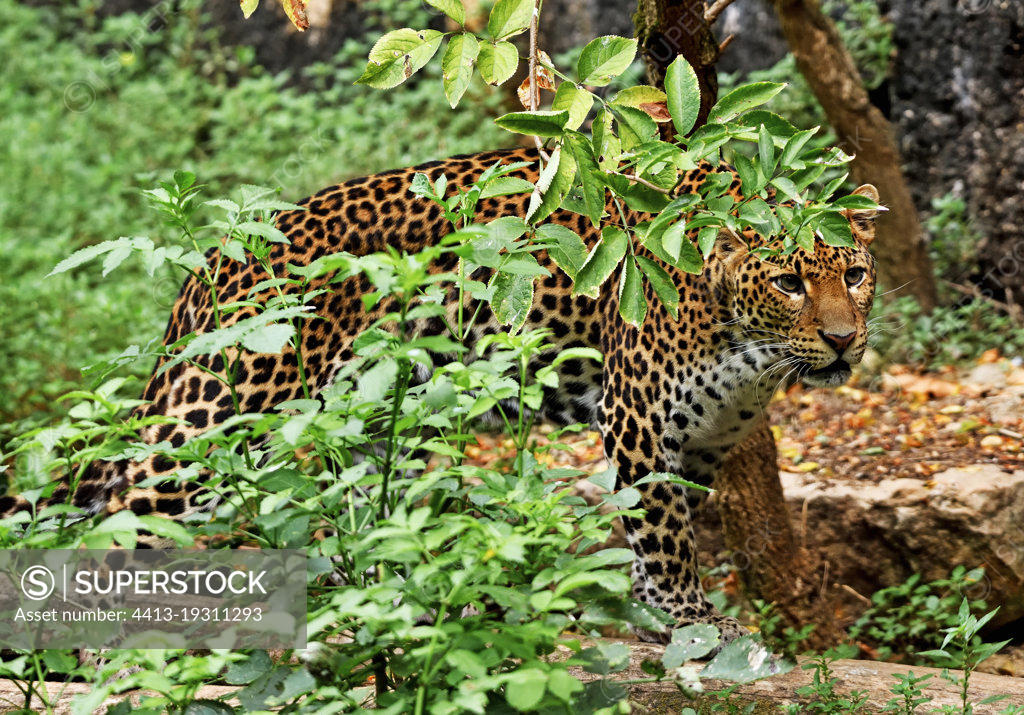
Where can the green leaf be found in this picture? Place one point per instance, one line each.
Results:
(855, 202)
(743, 98)
(524, 688)
(248, 7)
(635, 126)
(245, 671)
(564, 246)
(673, 238)
(552, 185)
(683, 90)
(601, 262)
(509, 17)
(632, 303)
(794, 145)
(689, 643)
(90, 252)
(742, 661)
(513, 297)
(497, 62)
(604, 58)
(167, 529)
(540, 123)
(264, 230)
(637, 95)
(562, 685)
(706, 239)
(590, 176)
(505, 185)
(834, 230)
(452, 8)
(398, 55)
(787, 187)
(664, 287)
(606, 145)
(375, 382)
(457, 66)
(268, 338)
(766, 151)
(575, 100)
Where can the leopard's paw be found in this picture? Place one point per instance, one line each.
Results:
(729, 629)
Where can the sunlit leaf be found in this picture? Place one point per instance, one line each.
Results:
(743, 98)
(683, 91)
(457, 65)
(601, 262)
(575, 100)
(398, 55)
(605, 58)
(632, 303)
(509, 17)
(553, 184)
(513, 297)
(564, 246)
(543, 123)
(664, 287)
(497, 62)
(248, 7)
(452, 8)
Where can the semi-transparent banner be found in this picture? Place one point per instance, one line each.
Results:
(152, 598)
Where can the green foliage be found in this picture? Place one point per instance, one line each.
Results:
(909, 694)
(949, 335)
(963, 648)
(954, 241)
(787, 640)
(94, 109)
(867, 35)
(908, 619)
(821, 694)
(445, 584)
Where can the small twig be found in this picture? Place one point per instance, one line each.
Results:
(858, 596)
(1011, 309)
(716, 9)
(534, 89)
(648, 184)
(726, 42)
(1010, 433)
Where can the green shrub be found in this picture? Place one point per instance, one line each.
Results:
(94, 110)
(911, 618)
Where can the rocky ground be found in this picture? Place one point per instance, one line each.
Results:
(895, 474)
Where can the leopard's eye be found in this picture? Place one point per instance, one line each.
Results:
(855, 276)
(789, 283)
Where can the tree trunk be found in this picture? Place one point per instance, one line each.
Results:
(756, 527)
(668, 28)
(751, 503)
(904, 266)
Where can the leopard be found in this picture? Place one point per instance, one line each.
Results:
(673, 395)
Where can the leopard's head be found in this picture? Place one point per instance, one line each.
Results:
(808, 310)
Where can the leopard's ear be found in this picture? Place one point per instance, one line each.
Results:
(862, 221)
(730, 248)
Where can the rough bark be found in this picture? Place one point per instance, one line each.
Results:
(904, 266)
(669, 28)
(757, 531)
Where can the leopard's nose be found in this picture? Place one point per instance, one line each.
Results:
(839, 343)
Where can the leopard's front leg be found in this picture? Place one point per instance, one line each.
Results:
(665, 572)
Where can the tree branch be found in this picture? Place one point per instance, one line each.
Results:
(716, 9)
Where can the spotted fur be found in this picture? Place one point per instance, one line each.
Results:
(671, 396)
